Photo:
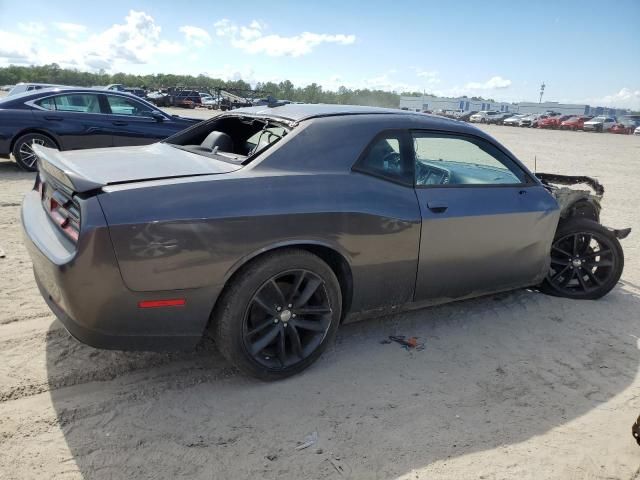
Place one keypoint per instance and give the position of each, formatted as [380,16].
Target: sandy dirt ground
[517,385]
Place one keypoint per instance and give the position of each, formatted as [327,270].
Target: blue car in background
[78,118]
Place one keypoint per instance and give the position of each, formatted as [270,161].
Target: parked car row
[628,124]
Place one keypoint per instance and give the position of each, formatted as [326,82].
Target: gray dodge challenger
[267,227]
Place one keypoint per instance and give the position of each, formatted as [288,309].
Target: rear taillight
[62,208]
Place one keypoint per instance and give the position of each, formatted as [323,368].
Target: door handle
[120,123]
[437,207]
[52,117]
[522,192]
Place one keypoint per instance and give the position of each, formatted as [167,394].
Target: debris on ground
[2,254]
[410,343]
[309,441]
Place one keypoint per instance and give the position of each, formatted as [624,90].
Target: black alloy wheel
[586,261]
[287,319]
[278,314]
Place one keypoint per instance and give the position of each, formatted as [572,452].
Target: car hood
[84,170]
[593,122]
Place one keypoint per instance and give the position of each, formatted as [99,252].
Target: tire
[252,295]
[576,244]
[22,153]
[482,120]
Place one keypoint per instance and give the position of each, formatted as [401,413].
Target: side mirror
[159,117]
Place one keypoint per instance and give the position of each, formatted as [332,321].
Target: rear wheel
[586,261]
[278,315]
[23,150]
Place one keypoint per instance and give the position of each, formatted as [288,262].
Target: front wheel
[278,315]
[586,261]
[23,150]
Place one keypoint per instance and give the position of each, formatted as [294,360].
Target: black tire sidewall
[29,137]
[576,225]
[229,314]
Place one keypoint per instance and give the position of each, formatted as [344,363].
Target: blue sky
[585,51]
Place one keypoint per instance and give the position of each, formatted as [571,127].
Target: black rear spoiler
[52,162]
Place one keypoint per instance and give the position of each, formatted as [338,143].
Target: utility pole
[541,92]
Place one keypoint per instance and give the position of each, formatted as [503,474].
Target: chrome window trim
[32,104]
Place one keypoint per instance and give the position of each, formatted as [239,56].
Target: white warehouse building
[434,104]
[563,108]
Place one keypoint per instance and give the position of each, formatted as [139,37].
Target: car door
[133,123]
[76,119]
[486,224]
[386,248]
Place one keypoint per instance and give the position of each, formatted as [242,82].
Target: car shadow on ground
[494,371]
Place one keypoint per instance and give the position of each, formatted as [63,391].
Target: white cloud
[496,82]
[430,76]
[252,39]
[625,98]
[136,41]
[32,28]
[384,81]
[16,48]
[71,30]
[196,36]
[234,73]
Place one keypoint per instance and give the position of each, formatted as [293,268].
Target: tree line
[284,90]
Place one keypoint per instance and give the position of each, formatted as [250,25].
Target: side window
[83,103]
[384,157]
[125,106]
[47,103]
[451,160]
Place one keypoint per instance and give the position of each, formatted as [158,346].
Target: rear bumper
[97,339]
[83,287]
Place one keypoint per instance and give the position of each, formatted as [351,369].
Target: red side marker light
[172,302]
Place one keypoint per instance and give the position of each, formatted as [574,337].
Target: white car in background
[209,101]
[28,87]
[499,118]
[483,116]
[636,131]
[599,124]
[531,120]
[514,121]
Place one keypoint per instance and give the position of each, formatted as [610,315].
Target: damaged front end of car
[576,202]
